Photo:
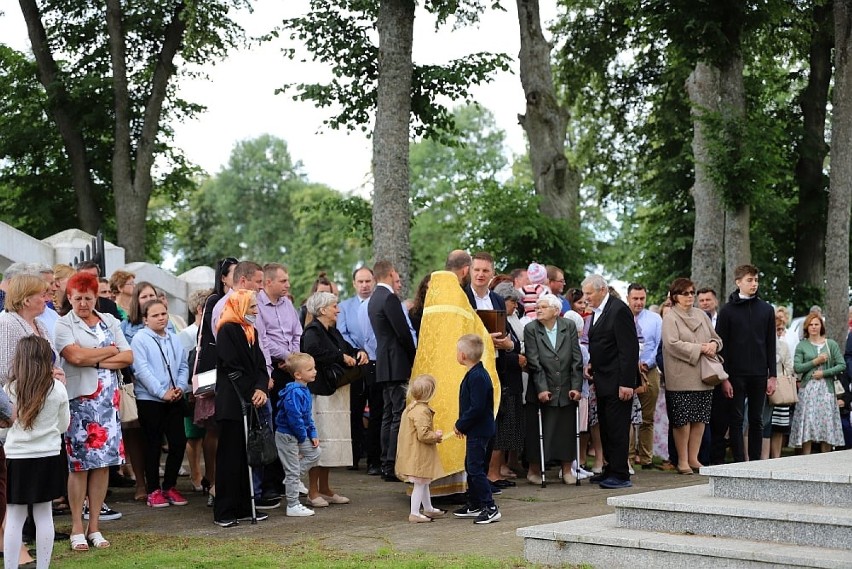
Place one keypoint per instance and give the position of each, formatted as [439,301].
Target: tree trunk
[737,216]
[810,177]
[840,180]
[132,183]
[703,89]
[65,116]
[557,183]
[391,184]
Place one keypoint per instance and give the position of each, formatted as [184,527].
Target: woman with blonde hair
[61,274]
[123,283]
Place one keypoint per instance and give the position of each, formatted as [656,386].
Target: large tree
[129,51]
[557,182]
[381,85]
[840,195]
[812,148]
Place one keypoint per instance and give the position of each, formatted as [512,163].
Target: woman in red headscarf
[241,369]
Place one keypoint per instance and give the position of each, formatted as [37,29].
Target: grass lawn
[146,550]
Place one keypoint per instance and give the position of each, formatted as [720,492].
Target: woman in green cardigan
[819,361]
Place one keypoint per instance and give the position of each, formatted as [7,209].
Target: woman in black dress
[240,376]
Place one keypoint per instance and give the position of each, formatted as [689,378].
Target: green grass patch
[141,550]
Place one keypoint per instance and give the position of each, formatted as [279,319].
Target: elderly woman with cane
[240,374]
[555,367]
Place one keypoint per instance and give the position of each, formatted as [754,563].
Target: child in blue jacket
[296,433]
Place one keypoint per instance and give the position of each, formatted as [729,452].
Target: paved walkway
[377,516]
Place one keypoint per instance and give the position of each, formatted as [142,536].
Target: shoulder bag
[785,392]
[127,409]
[712,371]
[204,383]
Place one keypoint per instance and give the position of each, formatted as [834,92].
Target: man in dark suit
[613,357]
[482,298]
[394,358]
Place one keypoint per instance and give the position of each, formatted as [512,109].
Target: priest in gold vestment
[448,316]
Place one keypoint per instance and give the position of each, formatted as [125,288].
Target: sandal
[98,541]
[60,506]
[79,543]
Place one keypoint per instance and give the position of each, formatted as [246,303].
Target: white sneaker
[630,469]
[299,511]
[582,473]
[303,490]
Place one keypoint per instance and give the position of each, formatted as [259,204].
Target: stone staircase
[787,512]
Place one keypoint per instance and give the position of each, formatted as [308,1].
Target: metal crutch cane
[577,442]
[541,448]
[246,408]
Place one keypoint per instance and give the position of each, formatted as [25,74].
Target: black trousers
[614,421]
[158,419]
[727,415]
[394,404]
[233,499]
[366,439]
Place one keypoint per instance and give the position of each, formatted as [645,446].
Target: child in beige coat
[417,458]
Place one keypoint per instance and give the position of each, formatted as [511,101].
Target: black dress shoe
[119,481]
[353,467]
[374,470]
[598,477]
[390,478]
[503,484]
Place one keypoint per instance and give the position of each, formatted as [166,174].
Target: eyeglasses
[688,293]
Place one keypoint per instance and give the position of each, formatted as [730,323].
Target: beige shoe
[569,478]
[418,518]
[534,479]
[336,499]
[318,502]
[434,514]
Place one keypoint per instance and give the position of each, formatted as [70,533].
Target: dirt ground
[377,517]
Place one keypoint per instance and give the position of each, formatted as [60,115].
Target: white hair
[319,300]
[596,281]
[551,300]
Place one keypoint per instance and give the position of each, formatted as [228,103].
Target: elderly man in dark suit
[613,365]
[394,357]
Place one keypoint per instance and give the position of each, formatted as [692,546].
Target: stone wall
[16,246]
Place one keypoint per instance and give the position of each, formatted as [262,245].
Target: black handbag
[260,446]
[327,380]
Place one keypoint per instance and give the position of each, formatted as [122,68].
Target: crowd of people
[97,373]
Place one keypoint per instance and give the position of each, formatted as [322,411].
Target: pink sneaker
[157,499]
[175,498]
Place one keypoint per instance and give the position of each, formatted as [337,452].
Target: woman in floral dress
[94,349]
[819,361]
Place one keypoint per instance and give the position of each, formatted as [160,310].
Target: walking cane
[233,376]
[541,448]
[577,442]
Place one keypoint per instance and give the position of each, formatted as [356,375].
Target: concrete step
[600,543]
[822,479]
[694,510]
